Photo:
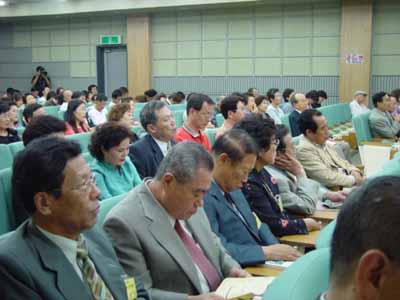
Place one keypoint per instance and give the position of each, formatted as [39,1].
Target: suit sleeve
[244,254]
[280,223]
[382,129]
[137,161]
[130,255]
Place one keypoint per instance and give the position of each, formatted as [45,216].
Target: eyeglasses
[87,185]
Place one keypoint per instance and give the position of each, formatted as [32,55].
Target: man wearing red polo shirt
[199,112]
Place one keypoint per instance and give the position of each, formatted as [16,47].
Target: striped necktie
[96,284]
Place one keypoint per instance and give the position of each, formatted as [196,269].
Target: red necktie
[199,258]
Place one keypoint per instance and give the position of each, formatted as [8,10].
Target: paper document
[278,264]
[243,288]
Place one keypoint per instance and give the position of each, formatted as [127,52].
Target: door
[112,68]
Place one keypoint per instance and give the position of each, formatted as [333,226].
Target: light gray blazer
[149,248]
[381,126]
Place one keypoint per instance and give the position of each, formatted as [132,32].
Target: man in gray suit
[381,123]
[55,254]
[161,233]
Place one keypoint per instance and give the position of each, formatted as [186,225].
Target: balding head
[299,102]
[67,94]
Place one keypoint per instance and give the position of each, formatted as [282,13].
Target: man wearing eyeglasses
[56,254]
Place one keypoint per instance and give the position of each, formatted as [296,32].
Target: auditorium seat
[175,107]
[178,115]
[6,159]
[325,237]
[285,121]
[219,119]
[52,110]
[106,205]
[82,138]
[7,222]
[211,134]
[305,279]
[361,128]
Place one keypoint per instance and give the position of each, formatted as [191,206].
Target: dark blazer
[294,123]
[146,156]
[243,240]
[32,267]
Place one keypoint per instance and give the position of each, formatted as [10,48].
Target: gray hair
[148,114]
[184,160]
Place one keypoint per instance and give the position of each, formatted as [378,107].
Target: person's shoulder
[140,143]
[14,245]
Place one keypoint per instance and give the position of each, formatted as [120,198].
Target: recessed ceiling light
[2,3]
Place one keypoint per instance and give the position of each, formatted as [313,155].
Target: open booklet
[278,264]
[243,288]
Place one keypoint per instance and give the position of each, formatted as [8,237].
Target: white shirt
[203,281]
[162,145]
[68,247]
[275,113]
[357,109]
[64,106]
[97,117]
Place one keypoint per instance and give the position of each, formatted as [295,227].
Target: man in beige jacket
[320,161]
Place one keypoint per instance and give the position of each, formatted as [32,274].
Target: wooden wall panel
[138,45]
[356,38]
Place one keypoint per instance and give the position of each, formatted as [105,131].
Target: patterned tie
[93,279]
[205,266]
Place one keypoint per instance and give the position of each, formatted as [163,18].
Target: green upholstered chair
[325,237]
[305,279]
[296,140]
[211,134]
[20,131]
[178,114]
[6,157]
[88,157]
[361,127]
[106,205]
[82,138]
[285,121]
[220,119]
[7,222]
[52,110]
[61,115]
[16,147]
[346,112]
[390,168]
[175,107]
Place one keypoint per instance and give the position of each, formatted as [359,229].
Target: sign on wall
[110,39]
[354,59]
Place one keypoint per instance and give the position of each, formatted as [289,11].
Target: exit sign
[110,39]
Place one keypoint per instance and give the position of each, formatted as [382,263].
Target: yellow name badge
[130,288]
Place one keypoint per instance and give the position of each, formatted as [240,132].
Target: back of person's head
[313,95]
[4,107]
[42,126]
[29,110]
[262,130]
[195,101]
[40,168]
[59,90]
[17,96]
[286,94]
[281,132]
[366,236]
[306,120]
[116,94]
[259,99]
[10,91]
[117,112]
[228,104]
[90,87]
[140,98]
[51,95]
[107,136]
[148,114]
[396,93]
[150,93]
[160,96]
[378,97]
[76,94]
[271,93]
[183,161]
[175,98]
[100,98]
[70,114]
[181,95]
[322,94]
[251,91]
[124,90]
[243,97]
[236,144]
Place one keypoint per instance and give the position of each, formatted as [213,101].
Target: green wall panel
[268,67]
[214,49]
[214,67]
[240,67]
[189,67]
[268,47]
[189,49]
[240,48]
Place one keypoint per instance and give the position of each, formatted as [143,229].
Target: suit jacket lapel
[158,156]
[162,230]
[68,282]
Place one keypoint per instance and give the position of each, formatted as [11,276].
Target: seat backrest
[106,205]
[82,138]
[174,107]
[16,147]
[52,110]
[178,115]
[61,115]
[219,119]
[305,279]
[285,121]
[361,127]
[211,134]
[7,222]
[325,236]
[6,158]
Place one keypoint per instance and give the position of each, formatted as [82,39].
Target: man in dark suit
[228,211]
[56,254]
[147,153]
[300,104]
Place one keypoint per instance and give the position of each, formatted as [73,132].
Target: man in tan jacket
[320,161]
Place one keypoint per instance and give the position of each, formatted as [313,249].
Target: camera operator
[40,80]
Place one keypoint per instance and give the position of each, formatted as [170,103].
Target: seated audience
[58,253]
[299,103]
[232,109]
[150,94]
[28,99]
[313,99]
[253,91]
[274,111]
[395,94]
[199,109]
[121,113]
[147,153]
[287,106]
[51,99]
[42,100]
[75,118]
[115,173]
[359,106]
[392,109]
[161,234]
[299,194]
[227,209]
[322,96]
[31,111]
[115,98]
[97,114]
[7,134]
[66,97]
[161,97]
[42,126]
[14,115]
[18,99]
[381,124]
[262,105]
[319,159]
[125,92]
[92,91]
[174,98]
[250,103]
[365,255]
[261,190]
